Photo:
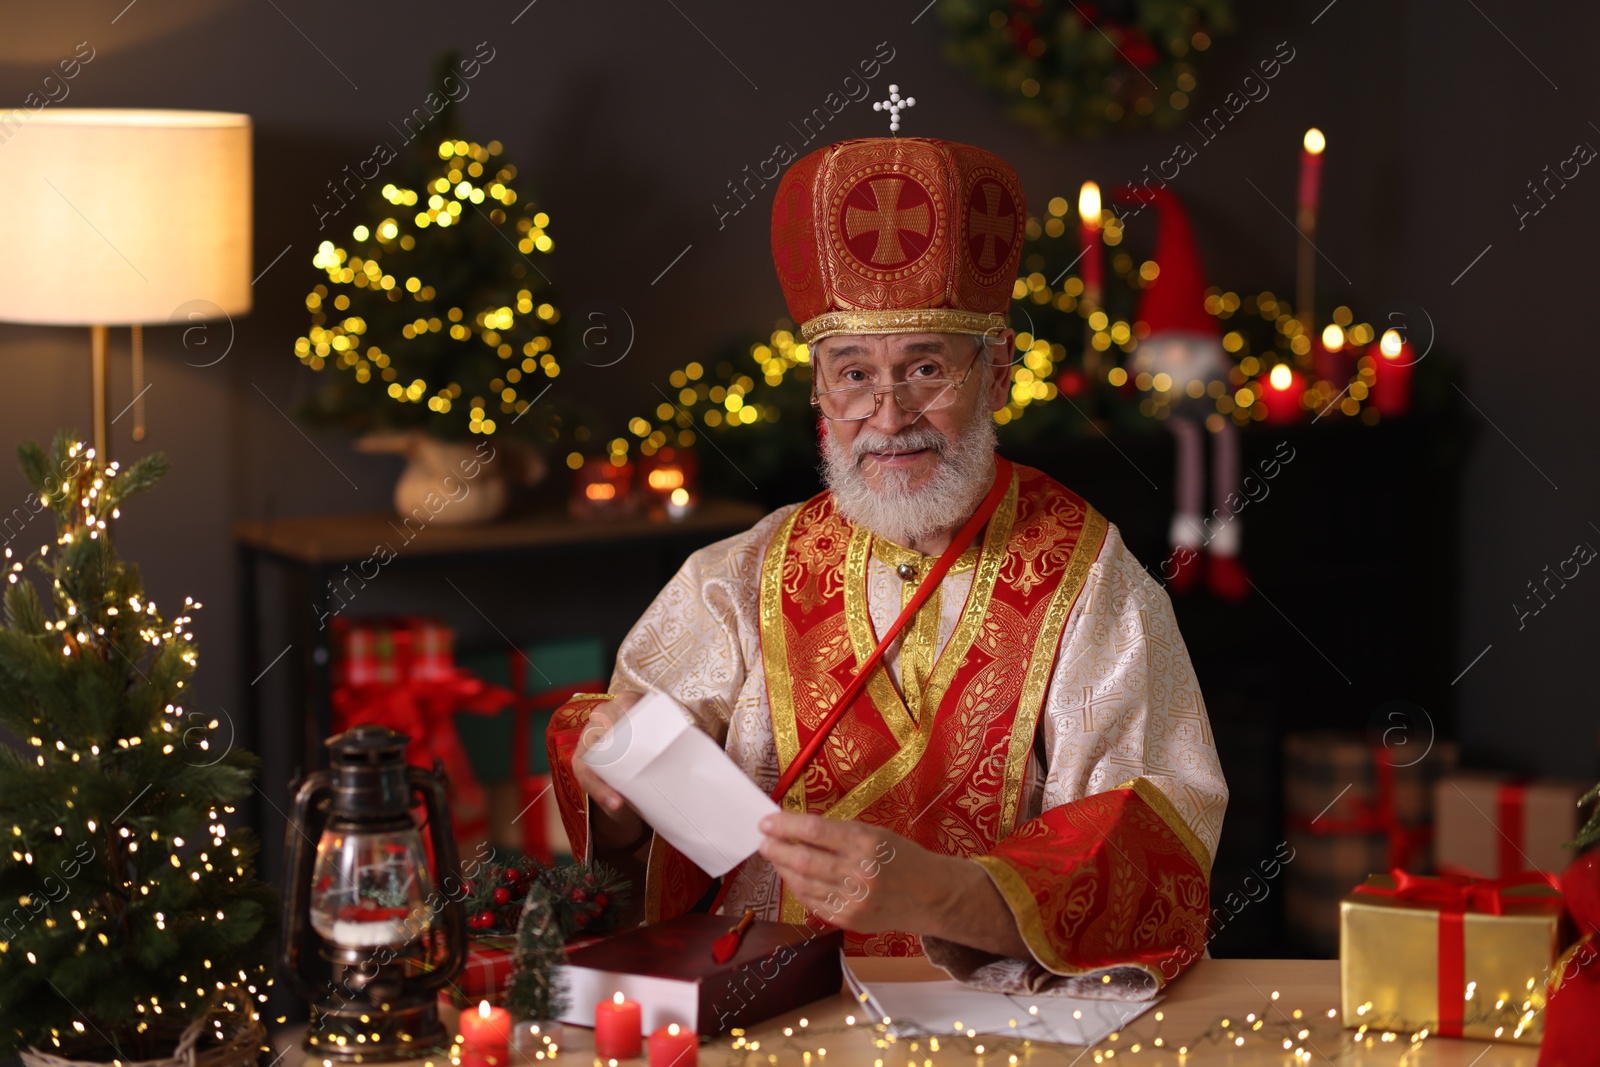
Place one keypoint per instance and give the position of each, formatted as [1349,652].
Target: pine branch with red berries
[585,898]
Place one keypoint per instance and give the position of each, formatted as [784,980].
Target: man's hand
[866,879]
[858,876]
[615,822]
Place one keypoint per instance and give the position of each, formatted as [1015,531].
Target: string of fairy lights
[1306,1036]
[422,352]
[1266,342]
[727,396]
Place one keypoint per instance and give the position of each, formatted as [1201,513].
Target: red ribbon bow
[1454,896]
[422,704]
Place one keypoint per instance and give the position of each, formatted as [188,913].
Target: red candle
[1328,359]
[1311,173]
[1282,395]
[618,1030]
[673,1046]
[1093,269]
[1391,374]
[485,1035]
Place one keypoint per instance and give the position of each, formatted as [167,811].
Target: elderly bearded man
[1026,785]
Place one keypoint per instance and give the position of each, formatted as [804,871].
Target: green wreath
[1076,69]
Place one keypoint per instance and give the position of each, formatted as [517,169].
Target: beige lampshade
[115,216]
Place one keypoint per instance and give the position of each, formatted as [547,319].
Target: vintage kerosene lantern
[364,901]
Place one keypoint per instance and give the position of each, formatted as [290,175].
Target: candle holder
[602,488]
[363,901]
[671,482]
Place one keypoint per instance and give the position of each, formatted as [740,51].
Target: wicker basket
[241,1042]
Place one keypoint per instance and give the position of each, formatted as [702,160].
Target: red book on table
[668,968]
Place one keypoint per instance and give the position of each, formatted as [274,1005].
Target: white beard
[896,511]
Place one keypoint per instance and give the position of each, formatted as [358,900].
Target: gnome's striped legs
[1187,534]
[1218,533]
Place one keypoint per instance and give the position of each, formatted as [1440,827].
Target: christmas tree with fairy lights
[435,312]
[130,908]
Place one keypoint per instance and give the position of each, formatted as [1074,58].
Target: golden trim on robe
[1042,663]
[1164,807]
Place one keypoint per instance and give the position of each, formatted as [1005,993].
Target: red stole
[976,710]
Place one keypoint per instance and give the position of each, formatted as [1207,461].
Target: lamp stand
[102,429]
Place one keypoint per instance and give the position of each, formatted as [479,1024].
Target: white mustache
[912,440]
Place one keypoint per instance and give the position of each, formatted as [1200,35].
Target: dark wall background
[628,118]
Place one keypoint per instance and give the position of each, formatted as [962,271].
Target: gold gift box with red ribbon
[1459,957]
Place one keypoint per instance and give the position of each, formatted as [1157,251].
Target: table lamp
[114,216]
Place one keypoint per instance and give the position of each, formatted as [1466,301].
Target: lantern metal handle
[311,789]
[447,877]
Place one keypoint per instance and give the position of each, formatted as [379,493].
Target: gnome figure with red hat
[1185,343]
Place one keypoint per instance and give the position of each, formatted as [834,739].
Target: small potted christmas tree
[135,928]
[433,320]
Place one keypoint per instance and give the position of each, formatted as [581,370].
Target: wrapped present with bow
[1491,825]
[1352,807]
[1459,957]
[401,673]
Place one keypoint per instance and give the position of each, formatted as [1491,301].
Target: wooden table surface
[1197,1003]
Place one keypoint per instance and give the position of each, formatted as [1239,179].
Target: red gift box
[401,673]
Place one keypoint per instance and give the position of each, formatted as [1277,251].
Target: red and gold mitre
[898,235]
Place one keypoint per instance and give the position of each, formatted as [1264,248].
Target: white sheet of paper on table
[682,783]
[918,1009]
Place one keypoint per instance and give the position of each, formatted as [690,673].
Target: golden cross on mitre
[894,105]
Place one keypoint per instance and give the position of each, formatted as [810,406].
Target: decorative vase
[455,483]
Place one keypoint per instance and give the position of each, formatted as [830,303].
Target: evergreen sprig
[537,991]
[127,899]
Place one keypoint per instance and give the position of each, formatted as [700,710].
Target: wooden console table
[316,552]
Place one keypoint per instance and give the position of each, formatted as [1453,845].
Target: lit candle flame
[1332,337]
[1089,204]
[1390,344]
[483,1009]
[616,998]
[1315,142]
[1281,377]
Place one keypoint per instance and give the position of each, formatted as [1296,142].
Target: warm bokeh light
[1315,142]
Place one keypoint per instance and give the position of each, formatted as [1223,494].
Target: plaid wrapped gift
[389,651]
[1351,808]
[487,974]
[432,651]
[365,653]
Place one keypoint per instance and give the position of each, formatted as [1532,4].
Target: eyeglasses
[853,403]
